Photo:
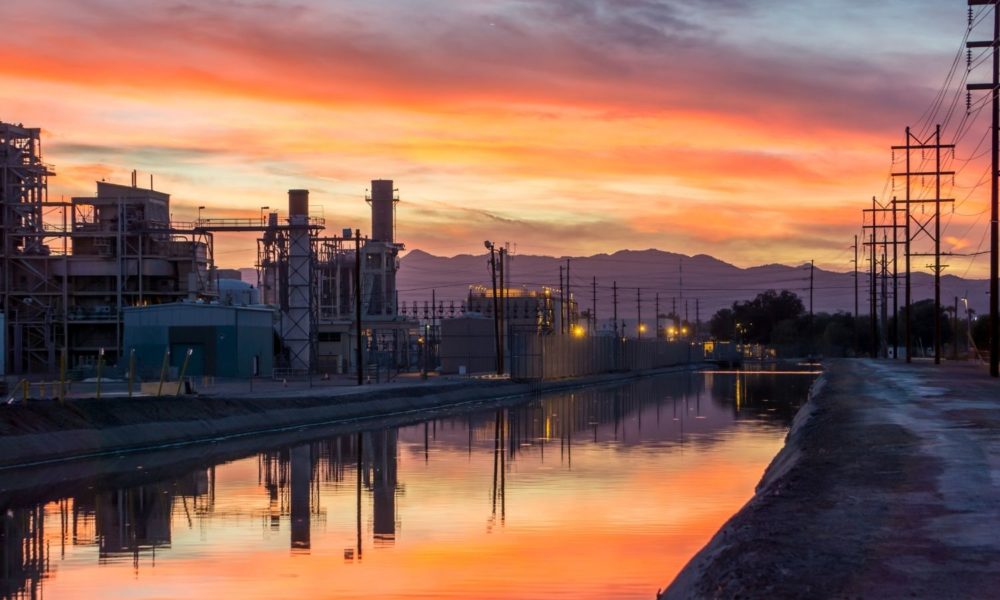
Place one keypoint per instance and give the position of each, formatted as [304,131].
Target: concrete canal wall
[46,431]
[888,487]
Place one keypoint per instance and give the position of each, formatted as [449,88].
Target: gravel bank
[888,487]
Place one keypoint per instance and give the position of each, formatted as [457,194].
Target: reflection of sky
[616,517]
[509,119]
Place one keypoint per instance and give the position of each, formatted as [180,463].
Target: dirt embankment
[888,487]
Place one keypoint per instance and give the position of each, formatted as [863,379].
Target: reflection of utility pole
[360,469]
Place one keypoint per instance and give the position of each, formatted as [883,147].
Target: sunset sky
[752,131]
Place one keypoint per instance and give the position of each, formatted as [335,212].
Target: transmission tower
[928,227]
[881,226]
[994,89]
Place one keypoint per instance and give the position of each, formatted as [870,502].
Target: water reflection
[347,495]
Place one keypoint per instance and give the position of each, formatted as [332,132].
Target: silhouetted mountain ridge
[699,283]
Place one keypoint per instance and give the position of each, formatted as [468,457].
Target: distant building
[234,292]
[542,311]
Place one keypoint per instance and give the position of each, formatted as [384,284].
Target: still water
[597,493]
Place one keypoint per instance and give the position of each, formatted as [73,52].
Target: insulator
[968,102]
[968,60]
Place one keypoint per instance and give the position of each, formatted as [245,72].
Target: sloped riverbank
[888,486]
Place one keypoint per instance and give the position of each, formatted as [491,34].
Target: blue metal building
[226,341]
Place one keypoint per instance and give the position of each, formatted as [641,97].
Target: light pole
[496,306]
[262,209]
[200,208]
[357,305]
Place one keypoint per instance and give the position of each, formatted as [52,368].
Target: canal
[598,493]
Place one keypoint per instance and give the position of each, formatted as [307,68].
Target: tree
[722,325]
[760,316]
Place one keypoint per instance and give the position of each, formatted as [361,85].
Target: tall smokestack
[383,211]
[296,323]
[298,203]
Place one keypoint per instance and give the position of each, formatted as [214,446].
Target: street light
[496,306]
[262,209]
[200,208]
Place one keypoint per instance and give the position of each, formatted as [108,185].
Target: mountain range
[694,286]
[700,283]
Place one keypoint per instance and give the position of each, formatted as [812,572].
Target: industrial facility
[72,270]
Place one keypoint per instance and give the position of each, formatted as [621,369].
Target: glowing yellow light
[578,331]
[642,328]
[684,330]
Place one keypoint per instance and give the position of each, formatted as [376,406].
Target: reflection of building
[23,553]
[133,520]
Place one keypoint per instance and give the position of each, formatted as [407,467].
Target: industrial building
[70,270]
[225,341]
[541,311]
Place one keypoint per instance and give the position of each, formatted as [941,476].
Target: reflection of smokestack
[383,211]
[301,468]
[384,485]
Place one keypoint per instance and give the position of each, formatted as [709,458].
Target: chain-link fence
[540,357]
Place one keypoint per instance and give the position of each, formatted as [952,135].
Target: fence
[535,357]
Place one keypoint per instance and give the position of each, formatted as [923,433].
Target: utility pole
[855,246]
[638,305]
[812,269]
[569,314]
[614,301]
[432,335]
[506,293]
[871,284]
[360,357]
[994,88]
[954,333]
[895,280]
[884,329]
[697,318]
[562,302]
[924,227]
[593,306]
[657,332]
[502,316]
[496,308]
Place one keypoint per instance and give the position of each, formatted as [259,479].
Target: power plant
[70,269]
